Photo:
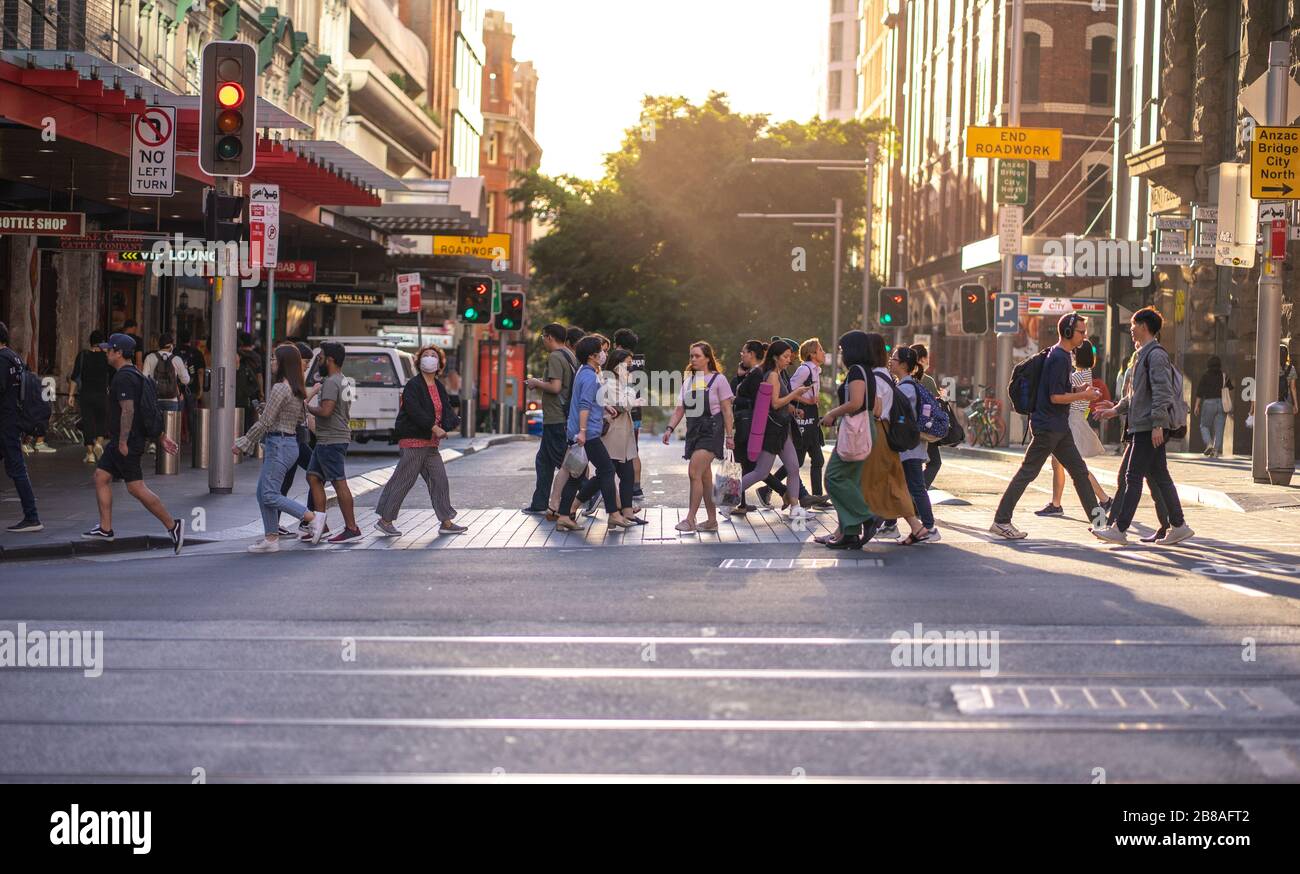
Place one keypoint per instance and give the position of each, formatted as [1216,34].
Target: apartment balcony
[386,124]
[377,34]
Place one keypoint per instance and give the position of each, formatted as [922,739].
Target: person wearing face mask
[425,418]
[276,429]
[620,436]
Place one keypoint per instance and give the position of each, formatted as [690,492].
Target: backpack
[931,418]
[566,398]
[956,435]
[147,412]
[1178,411]
[33,410]
[1023,387]
[164,377]
[901,431]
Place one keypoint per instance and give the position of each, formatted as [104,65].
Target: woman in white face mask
[425,418]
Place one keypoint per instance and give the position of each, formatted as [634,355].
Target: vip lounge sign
[153,152]
[264,224]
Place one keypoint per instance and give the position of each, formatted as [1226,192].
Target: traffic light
[893,307]
[228,109]
[474,299]
[223,217]
[974,310]
[511,317]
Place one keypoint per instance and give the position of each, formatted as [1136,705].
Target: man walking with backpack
[556,387]
[1041,387]
[134,418]
[1156,412]
[12,372]
[169,375]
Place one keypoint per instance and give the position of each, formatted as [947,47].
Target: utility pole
[225,312]
[1268,323]
[832,348]
[866,240]
[1003,341]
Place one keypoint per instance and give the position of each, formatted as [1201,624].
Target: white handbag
[1225,395]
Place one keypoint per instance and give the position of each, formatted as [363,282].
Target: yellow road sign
[1275,163]
[1029,143]
[491,247]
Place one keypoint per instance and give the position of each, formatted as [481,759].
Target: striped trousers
[411,465]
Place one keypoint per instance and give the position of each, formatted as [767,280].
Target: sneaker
[387,529]
[265,545]
[1050,510]
[177,533]
[1209,452]
[98,533]
[28,526]
[1110,534]
[303,526]
[1175,535]
[1007,531]
[530,511]
[90,456]
[151,449]
[1155,536]
[99,451]
[45,447]
[590,508]
[27,449]
[345,535]
[889,529]
[452,528]
[317,529]
[284,532]
[765,496]
[933,536]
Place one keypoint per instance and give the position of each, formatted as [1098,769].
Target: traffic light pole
[501,382]
[1003,342]
[1268,324]
[866,241]
[221,419]
[468,383]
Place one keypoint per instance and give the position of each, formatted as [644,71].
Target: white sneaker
[1007,531]
[90,456]
[45,447]
[317,528]
[1175,535]
[265,545]
[1110,534]
[934,536]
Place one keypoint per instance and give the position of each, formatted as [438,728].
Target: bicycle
[65,423]
[984,423]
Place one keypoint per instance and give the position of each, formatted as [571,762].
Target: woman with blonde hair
[705,404]
[426,416]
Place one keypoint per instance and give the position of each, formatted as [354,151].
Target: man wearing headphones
[1049,426]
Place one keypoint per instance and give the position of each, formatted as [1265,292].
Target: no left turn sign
[153,152]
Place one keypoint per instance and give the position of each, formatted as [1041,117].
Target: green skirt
[844,485]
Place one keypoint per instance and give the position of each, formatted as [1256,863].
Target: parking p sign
[1006,313]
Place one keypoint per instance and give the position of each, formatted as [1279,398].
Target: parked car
[378,371]
[533,419]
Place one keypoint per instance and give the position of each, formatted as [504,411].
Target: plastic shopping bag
[726,482]
[575,461]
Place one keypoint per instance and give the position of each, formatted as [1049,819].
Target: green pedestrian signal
[511,316]
[893,307]
[474,299]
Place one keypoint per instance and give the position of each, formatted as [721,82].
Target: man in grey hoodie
[1149,406]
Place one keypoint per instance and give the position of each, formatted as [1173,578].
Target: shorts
[122,467]
[328,462]
[704,432]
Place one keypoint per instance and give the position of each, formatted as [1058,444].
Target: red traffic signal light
[893,308]
[474,299]
[974,309]
[227,109]
[511,317]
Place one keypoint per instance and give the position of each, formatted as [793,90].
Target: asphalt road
[1135,664]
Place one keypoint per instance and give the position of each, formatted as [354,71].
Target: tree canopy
[656,245]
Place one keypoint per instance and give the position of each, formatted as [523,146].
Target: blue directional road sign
[1006,313]
[1020,263]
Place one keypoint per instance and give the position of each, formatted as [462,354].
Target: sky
[596,59]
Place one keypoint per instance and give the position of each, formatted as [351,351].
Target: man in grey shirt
[331,404]
[555,388]
[1149,407]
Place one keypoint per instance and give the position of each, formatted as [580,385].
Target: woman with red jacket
[425,418]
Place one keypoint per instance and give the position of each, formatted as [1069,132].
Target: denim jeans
[281,453]
[915,477]
[1212,421]
[11,449]
[550,455]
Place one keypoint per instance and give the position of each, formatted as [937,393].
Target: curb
[145,542]
[1188,494]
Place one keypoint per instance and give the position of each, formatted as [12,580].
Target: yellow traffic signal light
[227,109]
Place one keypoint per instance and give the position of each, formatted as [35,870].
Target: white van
[379,371]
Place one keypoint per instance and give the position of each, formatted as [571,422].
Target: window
[1097,202]
[835,93]
[1029,69]
[494,86]
[1101,85]
[494,147]
[837,41]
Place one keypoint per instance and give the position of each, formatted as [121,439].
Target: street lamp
[848,165]
[835,220]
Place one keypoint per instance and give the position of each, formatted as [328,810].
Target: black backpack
[1023,387]
[901,431]
[147,412]
[955,436]
[33,410]
[566,398]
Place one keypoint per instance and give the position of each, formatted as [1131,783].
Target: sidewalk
[66,500]
[1222,483]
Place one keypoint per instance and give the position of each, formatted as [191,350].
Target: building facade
[839,86]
